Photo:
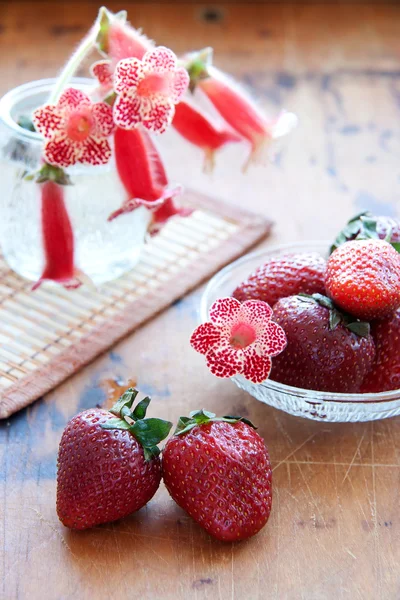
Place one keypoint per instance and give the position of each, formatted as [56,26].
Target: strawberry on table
[363,278]
[326,350]
[283,276]
[108,463]
[218,470]
[385,372]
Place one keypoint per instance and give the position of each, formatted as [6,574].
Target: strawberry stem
[336,316]
[148,432]
[200,417]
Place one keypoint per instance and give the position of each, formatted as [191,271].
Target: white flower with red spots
[239,339]
[148,90]
[76,130]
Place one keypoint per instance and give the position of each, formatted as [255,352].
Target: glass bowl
[319,406]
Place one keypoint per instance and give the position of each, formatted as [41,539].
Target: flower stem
[74,61]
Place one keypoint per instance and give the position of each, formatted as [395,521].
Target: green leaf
[141,409]
[51,173]
[361,328]
[126,401]
[247,421]
[335,318]
[201,415]
[323,301]
[188,427]
[116,424]
[306,298]
[353,230]
[396,246]
[150,453]
[150,432]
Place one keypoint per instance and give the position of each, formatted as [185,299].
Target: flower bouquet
[84,181]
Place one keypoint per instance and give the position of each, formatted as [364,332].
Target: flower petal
[48,120]
[256,367]
[225,311]
[180,84]
[71,98]
[128,74]
[273,340]
[205,337]
[103,119]
[61,152]
[127,111]
[157,113]
[160,60]
[101,70]
[96,151]
[257,311]
[226,362]
[284,124]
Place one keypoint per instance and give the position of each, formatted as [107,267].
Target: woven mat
[47,335]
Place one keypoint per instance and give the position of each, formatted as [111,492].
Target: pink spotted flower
[148,89]
[239,339]
[75,130]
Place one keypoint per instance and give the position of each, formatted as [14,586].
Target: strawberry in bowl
[338,307]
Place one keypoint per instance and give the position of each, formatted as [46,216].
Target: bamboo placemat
[48,334]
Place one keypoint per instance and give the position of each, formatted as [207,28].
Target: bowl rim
[309,396]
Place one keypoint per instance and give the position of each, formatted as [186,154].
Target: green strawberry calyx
[338,317]
[363,226]
[148,432]
[201,417]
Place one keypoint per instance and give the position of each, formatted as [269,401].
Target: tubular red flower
[242,114]
[239,339]
[58,238]
[166,211]
[198,129]
[75,129]
[141,171]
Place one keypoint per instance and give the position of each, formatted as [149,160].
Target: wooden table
[334,530]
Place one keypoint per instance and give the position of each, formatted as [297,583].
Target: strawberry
[366,226]
[218,471]
[385,372]
[363,278]
[108,464]
[283,276]
[326,350]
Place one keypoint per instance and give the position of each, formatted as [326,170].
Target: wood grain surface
[334,531]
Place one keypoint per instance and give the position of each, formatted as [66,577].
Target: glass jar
[104,250]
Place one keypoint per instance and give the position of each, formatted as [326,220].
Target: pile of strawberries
[216,468]
[341,317]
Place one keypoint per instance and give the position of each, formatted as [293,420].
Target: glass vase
[104,249]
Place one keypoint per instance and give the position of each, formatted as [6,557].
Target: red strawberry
[385,372]
[283,276]
[218,471]
[363,278]
[325,350]
[365,226]
[108,467]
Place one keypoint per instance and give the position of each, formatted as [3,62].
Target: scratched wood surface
[334,531]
